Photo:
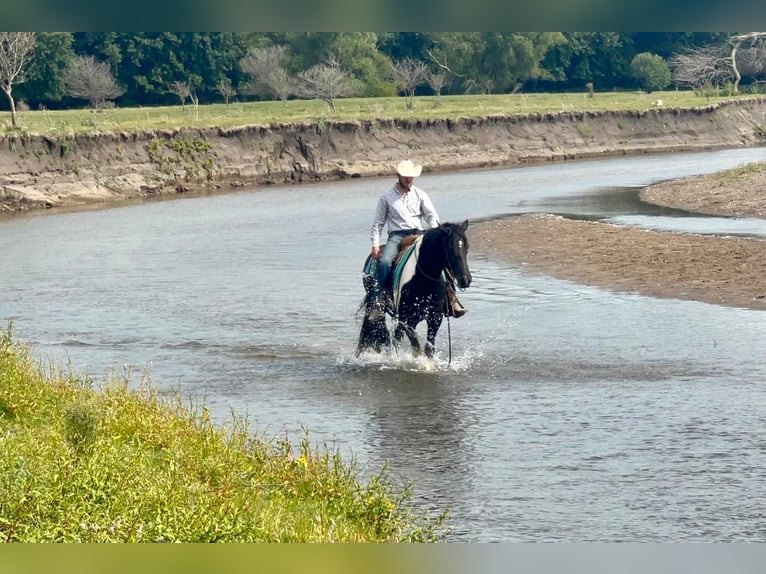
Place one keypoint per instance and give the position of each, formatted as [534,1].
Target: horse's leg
[408,328]
[434,322]
[373,334]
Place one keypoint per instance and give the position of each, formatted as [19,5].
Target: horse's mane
[452,227]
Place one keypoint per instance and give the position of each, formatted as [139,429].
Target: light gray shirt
[403,211]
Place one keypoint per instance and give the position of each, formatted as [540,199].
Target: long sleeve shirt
[403,211]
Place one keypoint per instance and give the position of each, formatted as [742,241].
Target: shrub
[650,71]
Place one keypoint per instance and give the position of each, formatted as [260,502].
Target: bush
[650,71]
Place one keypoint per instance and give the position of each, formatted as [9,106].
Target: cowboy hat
[408,169]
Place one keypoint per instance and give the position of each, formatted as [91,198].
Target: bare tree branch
[88,79]
[715,66]
[436,82]
[755,38]
[442,65]
[410,73]
[695,67]
[268,74]
[325,82]
[16,51]
[182,90]
[226,90]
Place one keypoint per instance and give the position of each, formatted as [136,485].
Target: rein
[448,267]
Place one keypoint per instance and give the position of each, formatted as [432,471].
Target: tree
[601,58]
[146,63]
[88,79]
[651,71]
[512,57]
[226,90]
[43,81]
[267,72]
[325,82]
[16,51]
[410,73]
[359,54]
[753,57]
[436,82]
[182,90]
[715,65]
[700,66]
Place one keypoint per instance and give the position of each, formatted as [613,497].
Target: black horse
[420,289]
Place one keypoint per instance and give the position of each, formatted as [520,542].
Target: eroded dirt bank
[40,171]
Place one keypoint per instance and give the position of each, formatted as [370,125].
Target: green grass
[752,168]
[111,464]
[70,122]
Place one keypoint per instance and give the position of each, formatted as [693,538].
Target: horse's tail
[374,335]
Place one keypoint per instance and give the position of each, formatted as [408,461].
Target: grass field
[69,122]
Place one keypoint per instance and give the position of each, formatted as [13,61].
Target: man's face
[406,182]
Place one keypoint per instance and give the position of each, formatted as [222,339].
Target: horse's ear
[464,225]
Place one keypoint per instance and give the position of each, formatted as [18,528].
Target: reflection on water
[739,226]
[563,413]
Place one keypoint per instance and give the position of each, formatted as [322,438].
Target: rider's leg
[387,256]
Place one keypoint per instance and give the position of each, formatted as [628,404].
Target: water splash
[404,360]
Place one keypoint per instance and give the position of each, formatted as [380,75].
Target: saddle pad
[405,269]
[370,266]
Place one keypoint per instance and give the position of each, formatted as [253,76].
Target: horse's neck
[431,258]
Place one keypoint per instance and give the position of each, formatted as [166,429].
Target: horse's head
[456,249]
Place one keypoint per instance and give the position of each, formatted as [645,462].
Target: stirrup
[457,311]
[454,307]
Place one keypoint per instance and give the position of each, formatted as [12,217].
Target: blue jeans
[387,256]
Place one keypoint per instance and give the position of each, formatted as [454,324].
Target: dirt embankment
[40,171]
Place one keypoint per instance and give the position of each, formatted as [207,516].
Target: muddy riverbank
[720,270]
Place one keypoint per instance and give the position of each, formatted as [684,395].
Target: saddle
[404,246]
[371,265]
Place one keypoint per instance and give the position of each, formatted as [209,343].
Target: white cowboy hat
[408,169]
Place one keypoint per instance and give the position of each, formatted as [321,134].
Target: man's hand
[375,253]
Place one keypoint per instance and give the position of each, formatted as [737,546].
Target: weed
[81,463]
[585,131]
[81,422]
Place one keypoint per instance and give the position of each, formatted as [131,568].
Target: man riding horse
[404,208]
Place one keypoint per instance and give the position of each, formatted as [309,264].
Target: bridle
[447,267]
[451,273]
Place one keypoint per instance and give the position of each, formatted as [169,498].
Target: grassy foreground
[63,123]
[79,464]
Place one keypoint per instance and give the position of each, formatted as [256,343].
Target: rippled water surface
[562,413]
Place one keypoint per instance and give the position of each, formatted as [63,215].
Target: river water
[566,413]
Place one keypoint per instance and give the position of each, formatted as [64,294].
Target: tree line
[64,69]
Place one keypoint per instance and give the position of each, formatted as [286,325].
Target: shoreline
[39,172]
